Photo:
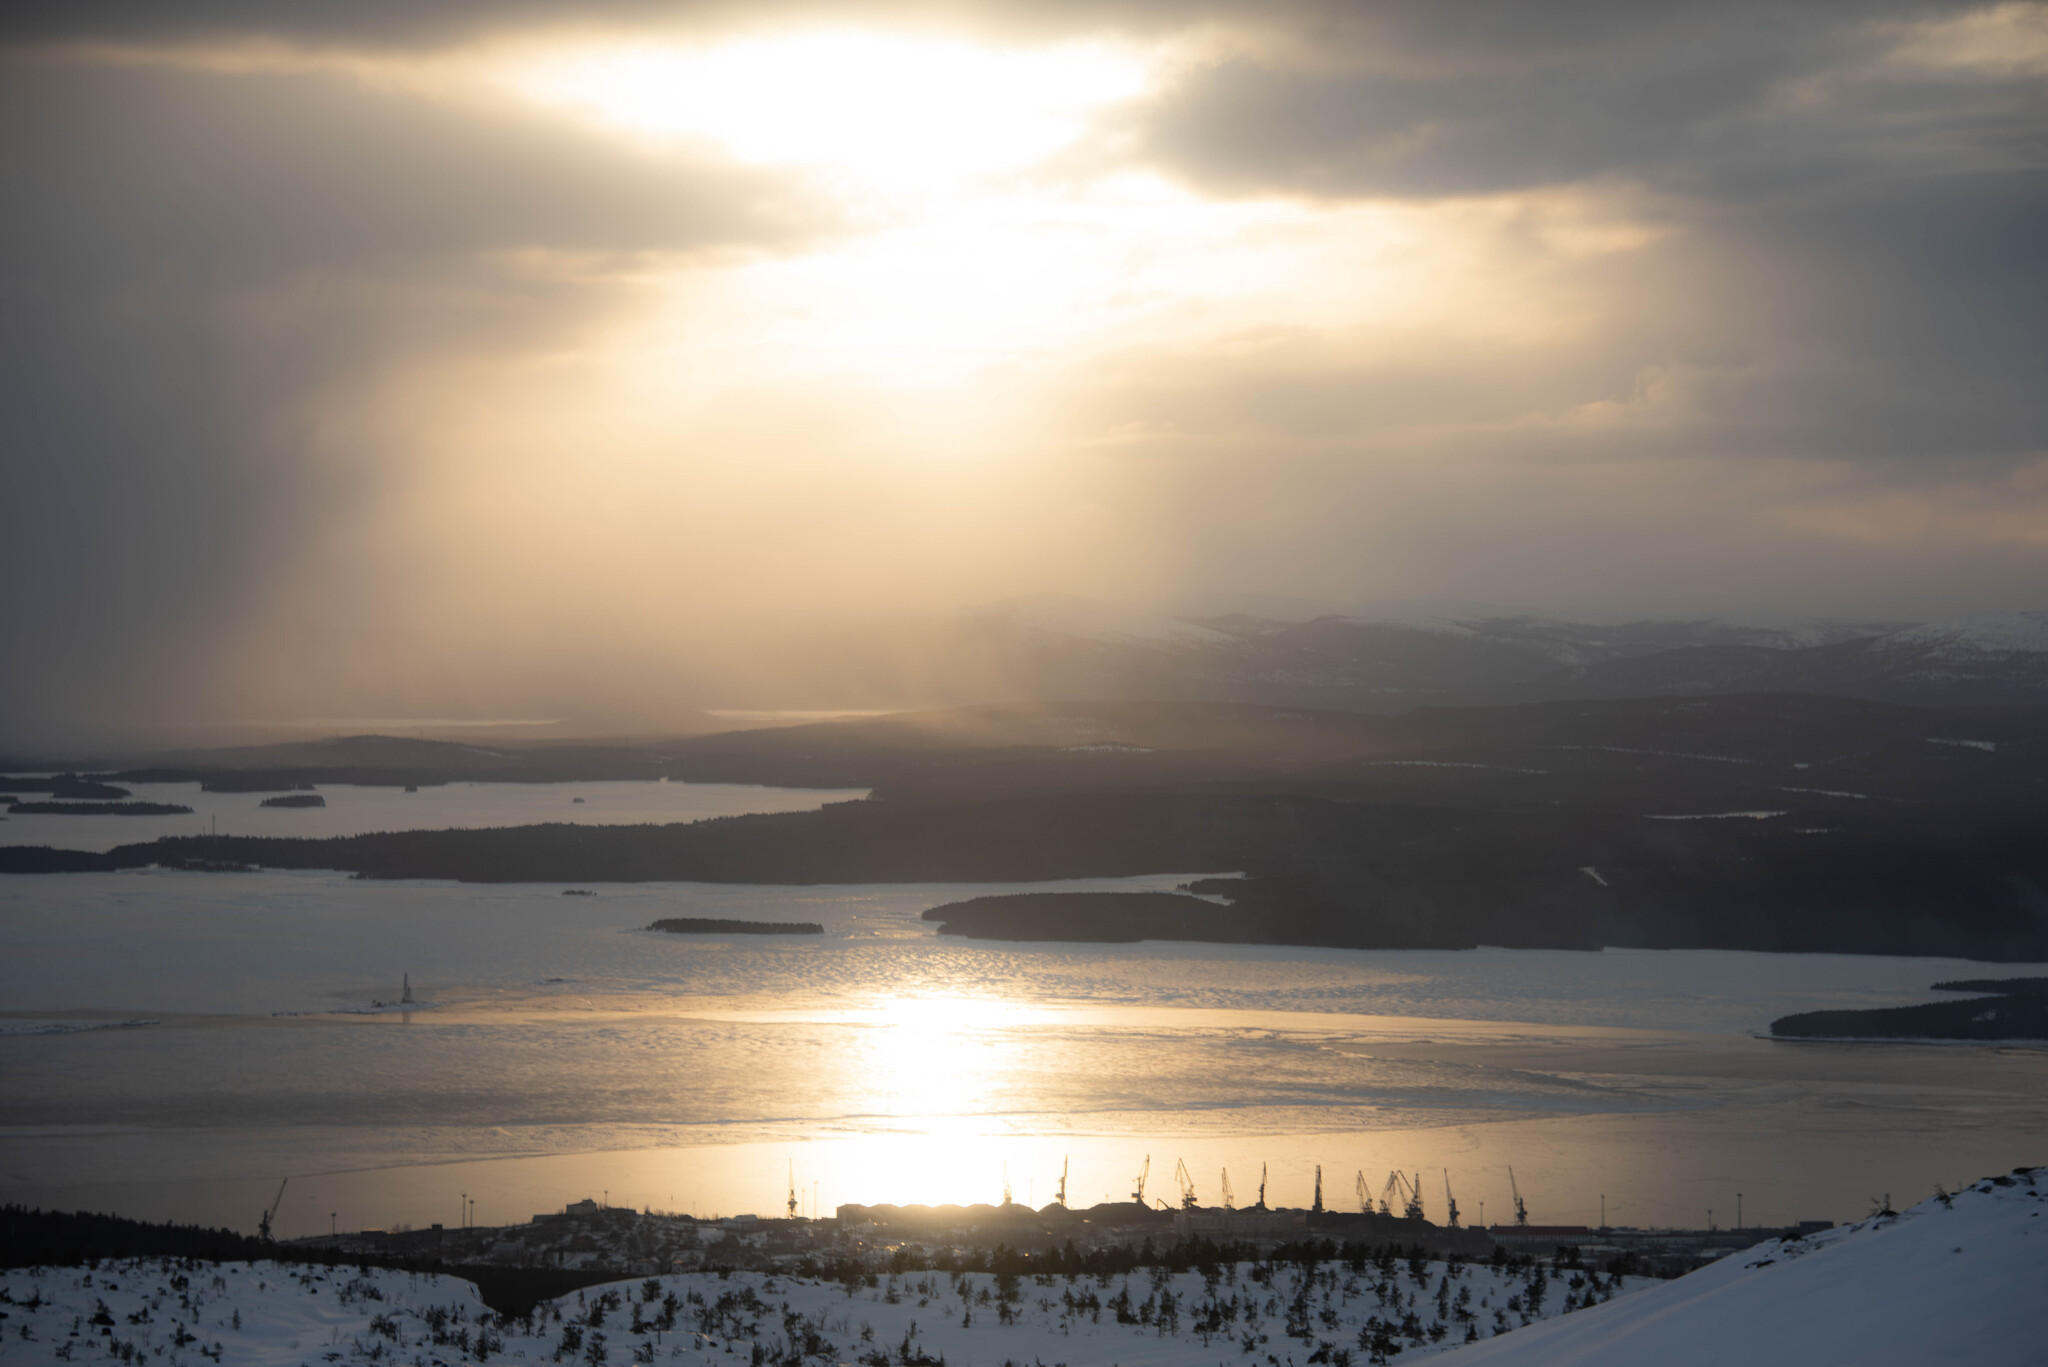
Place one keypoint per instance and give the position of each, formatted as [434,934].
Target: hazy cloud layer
[335,375]
[201,263]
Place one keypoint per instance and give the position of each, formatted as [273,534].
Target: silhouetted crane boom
[263,1225]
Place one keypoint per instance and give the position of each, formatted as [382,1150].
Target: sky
[468,360]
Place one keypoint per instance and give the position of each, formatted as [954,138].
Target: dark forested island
[1788,823]
[693,925]
[102,809]
[2017,1011]
[1321,871]
[2004,987]
[1095,917]
[64,786]
[1127,917]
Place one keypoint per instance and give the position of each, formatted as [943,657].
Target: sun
[886,109]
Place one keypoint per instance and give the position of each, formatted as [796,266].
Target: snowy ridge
[1953,1280]
[1982,633]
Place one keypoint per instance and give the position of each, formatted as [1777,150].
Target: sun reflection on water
[938,1059]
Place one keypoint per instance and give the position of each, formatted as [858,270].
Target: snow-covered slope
[177,1313]
[1958,1282]
[166,1314]
[1947,1282]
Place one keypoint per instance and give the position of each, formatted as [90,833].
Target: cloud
[202,273]
[119,169]
[331,369]
[1722,101]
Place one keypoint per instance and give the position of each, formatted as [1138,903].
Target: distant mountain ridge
[1388,658]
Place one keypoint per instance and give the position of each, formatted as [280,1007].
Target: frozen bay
[173,1043]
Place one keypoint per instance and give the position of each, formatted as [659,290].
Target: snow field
[1956,1279]
[184,1313]
[164,1313]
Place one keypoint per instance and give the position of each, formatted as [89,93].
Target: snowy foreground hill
[1958,1281]
[277,1315]
[1954,1281]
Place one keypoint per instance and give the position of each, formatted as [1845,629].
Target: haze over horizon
[473,363]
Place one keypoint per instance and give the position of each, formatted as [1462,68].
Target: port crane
[1185,1180]
[1521,1210]
[1061,1198]
[1262,1187]
[1409,1192]
[1138,1190]
[1229,1196]
[263,1225]
[1450,1201]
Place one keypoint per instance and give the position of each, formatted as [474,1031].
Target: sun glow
[938,1061]
[884,109]
[958,1013]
